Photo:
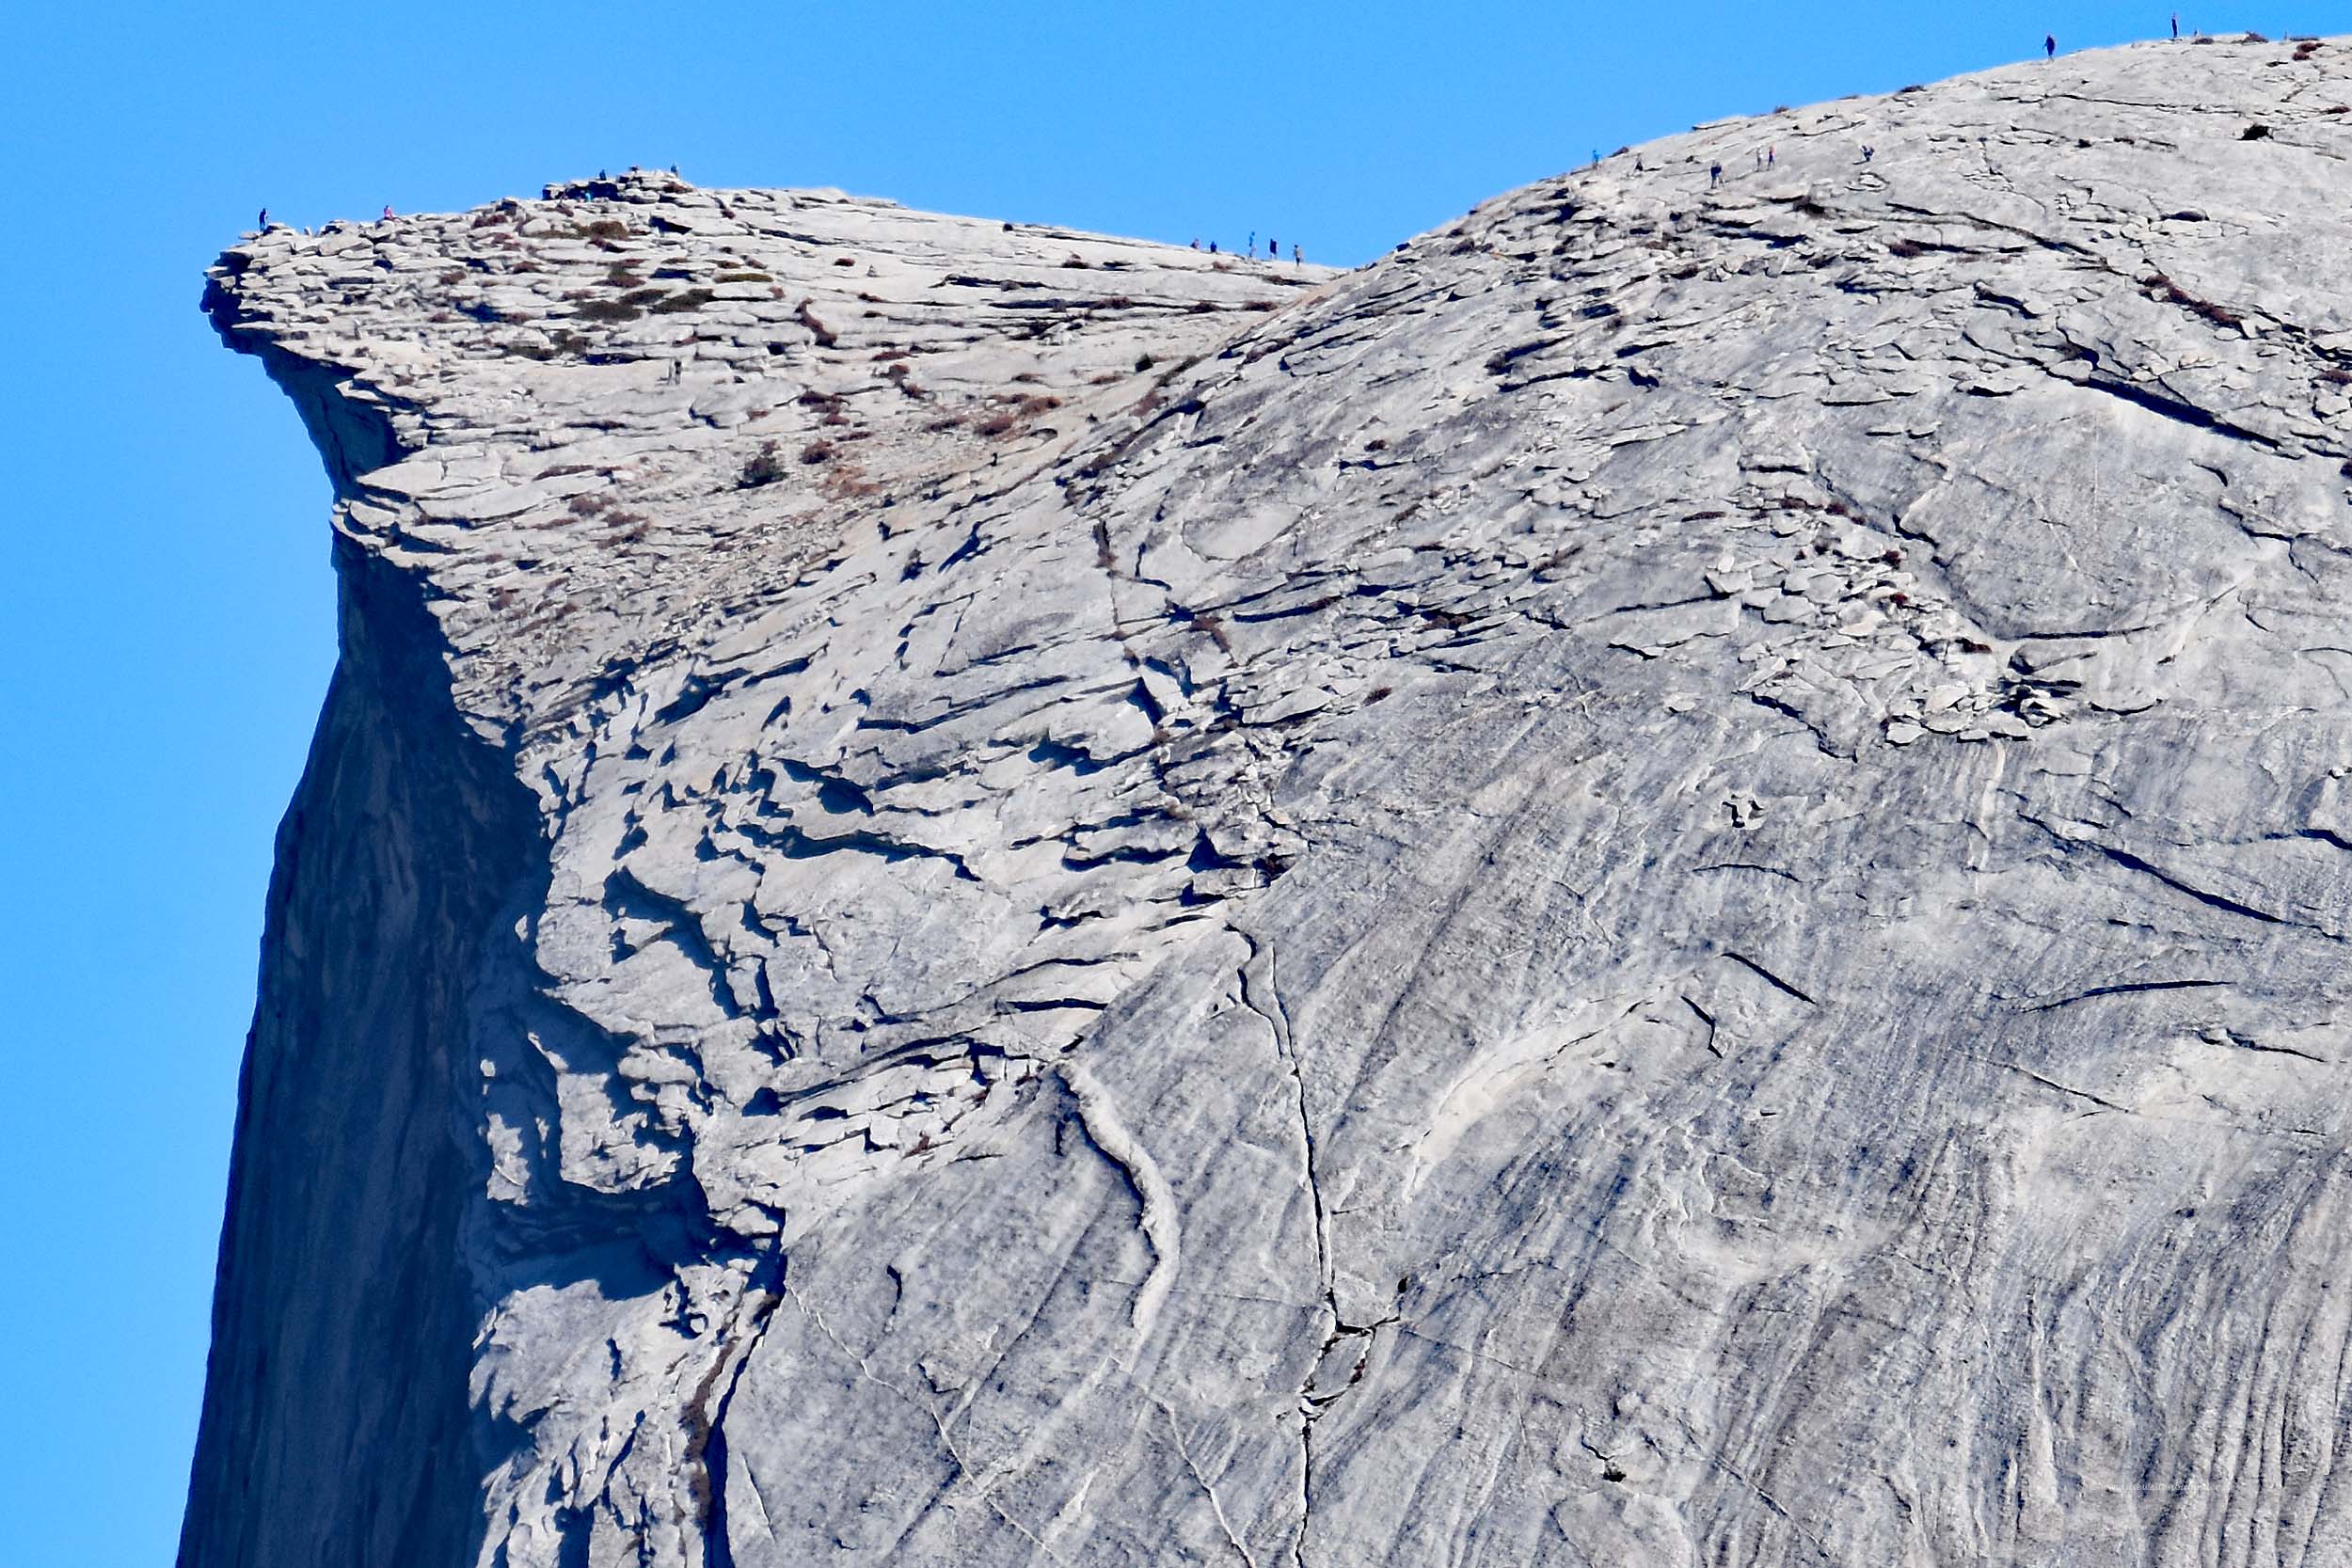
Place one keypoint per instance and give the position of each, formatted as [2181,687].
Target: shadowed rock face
[1663,884]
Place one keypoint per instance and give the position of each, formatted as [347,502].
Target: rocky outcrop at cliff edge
[1663,884]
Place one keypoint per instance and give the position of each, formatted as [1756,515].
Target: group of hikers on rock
[262,223]
[1273,248]
[1769,157]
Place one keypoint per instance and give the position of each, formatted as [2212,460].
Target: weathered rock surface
[1663,884]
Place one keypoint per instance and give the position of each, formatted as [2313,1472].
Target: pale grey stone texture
[1662,883]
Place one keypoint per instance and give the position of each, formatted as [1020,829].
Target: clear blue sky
[167,629]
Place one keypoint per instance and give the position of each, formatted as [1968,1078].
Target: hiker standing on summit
[2049,45]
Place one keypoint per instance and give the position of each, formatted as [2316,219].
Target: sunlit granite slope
[1662,883]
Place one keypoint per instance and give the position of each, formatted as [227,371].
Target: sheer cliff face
[1662,883]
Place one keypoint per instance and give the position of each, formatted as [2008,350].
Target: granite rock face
[1662,883]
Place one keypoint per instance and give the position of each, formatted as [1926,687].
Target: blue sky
[168,622]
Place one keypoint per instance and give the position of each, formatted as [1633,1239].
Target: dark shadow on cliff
[358,1249]
[341,1279]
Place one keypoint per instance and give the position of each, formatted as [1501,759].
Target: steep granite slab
[1659,883]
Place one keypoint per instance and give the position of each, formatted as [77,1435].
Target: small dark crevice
[708,1433]
[834,794]
[2246,1042]
[2177,409]
[2127,989]
[1055,753]
[1769,977]
[2210,900]
[796,844]
[625,897]
[1708,1019]
[1750,865]
[691,697]
[1821,740]
[2066,1089]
